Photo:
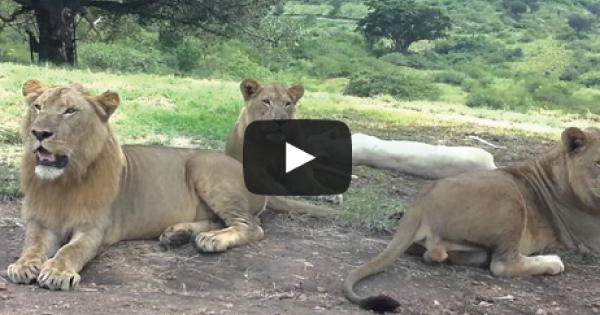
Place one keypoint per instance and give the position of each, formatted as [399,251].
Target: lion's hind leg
[182,233]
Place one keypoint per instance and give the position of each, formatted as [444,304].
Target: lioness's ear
[32,89]
[573,139]
[296,92]
[107,103]
[248,88]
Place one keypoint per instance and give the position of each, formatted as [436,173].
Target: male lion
[83,191]
[502,216]
[271,102]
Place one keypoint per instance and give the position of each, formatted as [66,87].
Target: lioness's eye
[70,111]
[288,104]
[266,102]
[37,107]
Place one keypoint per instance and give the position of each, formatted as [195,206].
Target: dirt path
[297,270]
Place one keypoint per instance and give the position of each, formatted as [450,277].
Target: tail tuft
[380,304]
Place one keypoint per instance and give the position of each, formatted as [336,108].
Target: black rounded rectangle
[273,149]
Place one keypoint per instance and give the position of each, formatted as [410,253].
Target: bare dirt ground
[298,270]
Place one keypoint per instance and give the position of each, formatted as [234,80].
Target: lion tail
[404,237]
[282,204]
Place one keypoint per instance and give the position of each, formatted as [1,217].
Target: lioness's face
[583,163]
[64,126]
[270,102]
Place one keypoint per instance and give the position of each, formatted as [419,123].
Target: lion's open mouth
[46,158]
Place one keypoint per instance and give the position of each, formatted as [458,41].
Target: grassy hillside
[527,63]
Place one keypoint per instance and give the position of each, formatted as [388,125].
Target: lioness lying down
[503,216]
[271,102]
[83,191]
[411,157]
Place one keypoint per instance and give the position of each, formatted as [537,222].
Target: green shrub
[416,60]
[450,77]
[121,58]
[395,83]
[590,79]
[485,98]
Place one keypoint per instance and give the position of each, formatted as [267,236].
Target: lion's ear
[296,92]
[249,87]
[107,103]
[574,139]
[32,89]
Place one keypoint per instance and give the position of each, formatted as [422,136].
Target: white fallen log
[411,157]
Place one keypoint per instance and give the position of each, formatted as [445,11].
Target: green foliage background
[517,55]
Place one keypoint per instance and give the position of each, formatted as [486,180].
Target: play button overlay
[299,157]
[295,157]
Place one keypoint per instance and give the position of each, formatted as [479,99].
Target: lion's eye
[70,111]
[37,107]
[267,103]
[288,104]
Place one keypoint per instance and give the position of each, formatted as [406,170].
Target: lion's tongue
[46,156]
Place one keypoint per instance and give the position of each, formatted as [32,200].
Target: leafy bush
[450,77]
[514,7]
[590,79]
[579,23]
[416,60]
[121,58]
[395,83]
[486,98]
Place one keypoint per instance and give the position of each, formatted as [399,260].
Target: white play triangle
[295,157]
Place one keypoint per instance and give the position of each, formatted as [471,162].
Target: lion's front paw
[55,276]
[26,269]
[212,242]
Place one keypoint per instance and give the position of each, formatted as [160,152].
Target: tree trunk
[56,24]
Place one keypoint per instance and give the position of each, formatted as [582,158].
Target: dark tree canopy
[56,20]
[403,22]
[579,23]
[515,7]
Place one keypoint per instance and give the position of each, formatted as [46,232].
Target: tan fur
[270,102]
[551,202]
[108,193]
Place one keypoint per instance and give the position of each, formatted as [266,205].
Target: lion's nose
[41,135]
[280,116]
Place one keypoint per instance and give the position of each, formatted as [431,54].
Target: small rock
[5,297]
[595,310]
[436,302]
[66,306]
[321,290]
[319,309]
[154,307]
[554,303]
[541,312]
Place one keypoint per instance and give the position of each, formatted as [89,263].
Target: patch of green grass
[363,200]
[9,174]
